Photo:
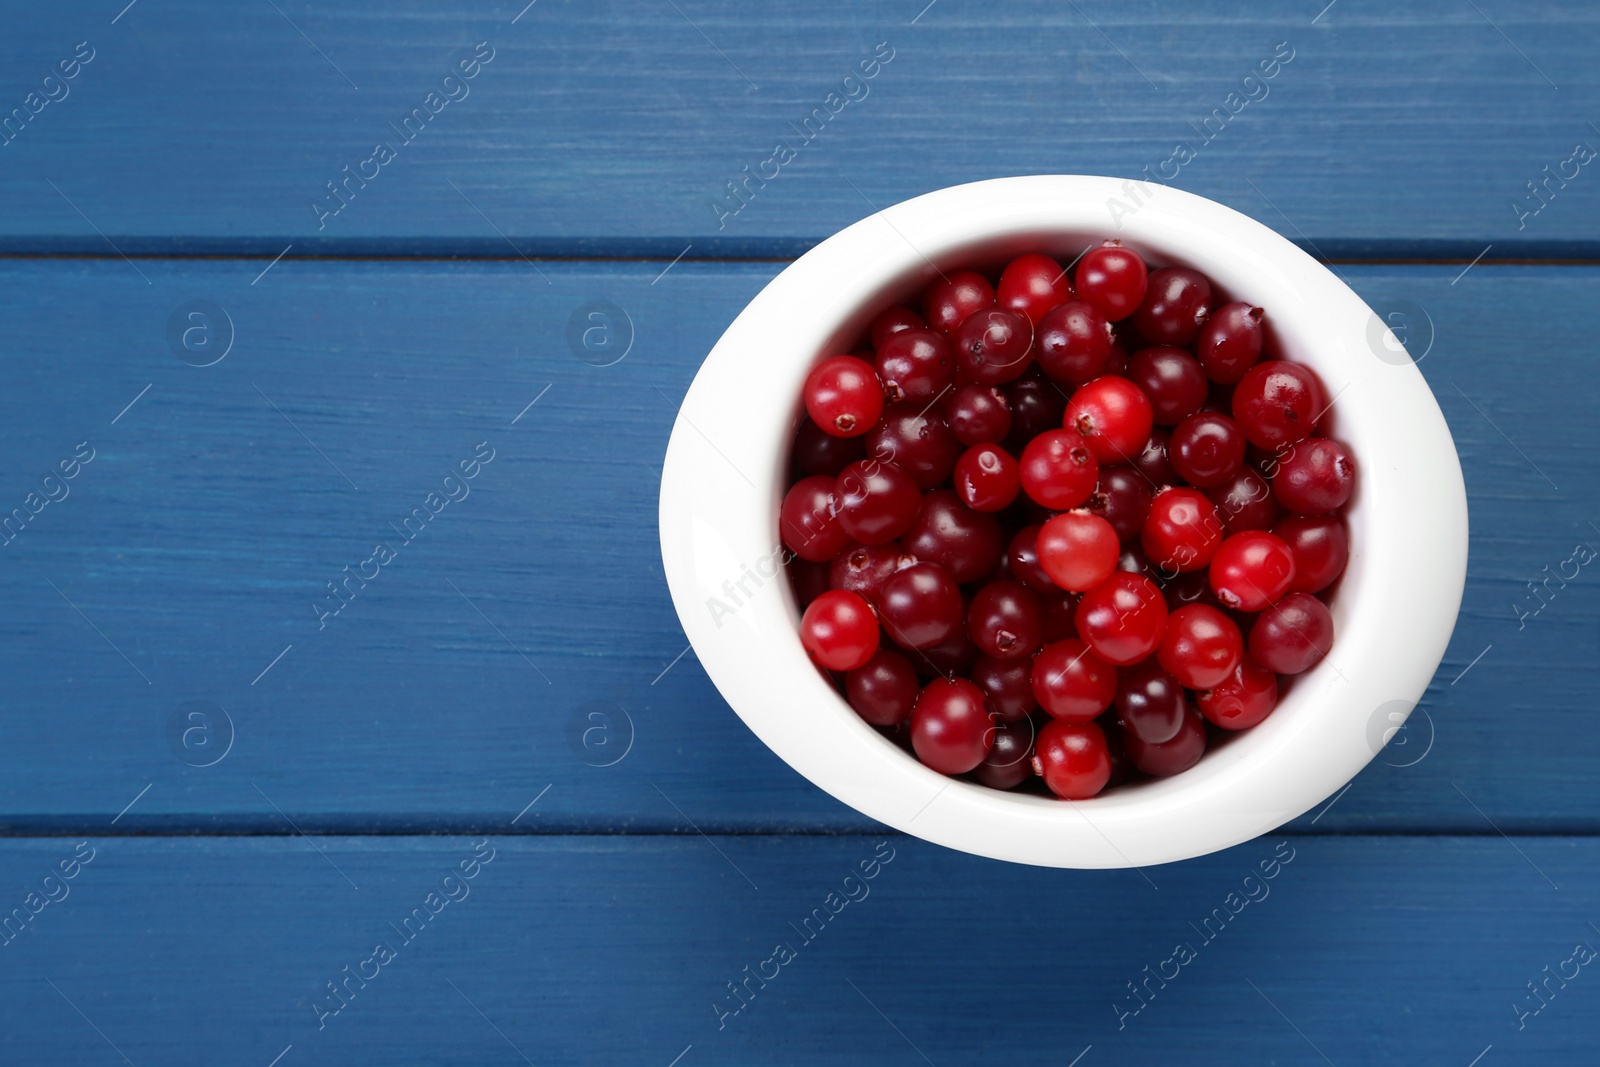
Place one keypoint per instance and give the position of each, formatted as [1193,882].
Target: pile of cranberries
[1065,529]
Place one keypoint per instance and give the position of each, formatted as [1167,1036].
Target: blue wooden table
[276,276]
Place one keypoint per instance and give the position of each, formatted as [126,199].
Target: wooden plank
[607,950]
[612,129]
[457,685]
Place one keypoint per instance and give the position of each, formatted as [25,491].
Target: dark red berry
[1170,757]
[877,501]
[1003,620]
[1008,683]
[1009,762]
[1122,498]
[978,414]
[992,346]
[1072,759]
[987,478]
[1022,560]
[915,365]
[1242,699]
[1251,571]
[1201,647]
[1320,547]
[1173,381]
[967,543]
[1277,403]
[917,441]
[808,579]
[1073,342]
[1293,635]
[883,690]
[1058,611]
[1150,702]
[920,606]
[1113,279]
[951,299]
[808,521]
[951,729]
[862,569]
[1123,618]
[1072,682]
[891,321]
[1230,342]
[1113,417]
[819,452]
[1207,450]
[839,631]
[952,657]
[1176,304]
[843,396]
[1036,405]
[1153,460]
[1078,550]
[1033,284]
[1244,502]
[1315,477]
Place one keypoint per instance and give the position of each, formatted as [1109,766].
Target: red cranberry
[1074,342]
[1241,700]
[1230,342]
[1315,477]
[1181,590]
[891,321]
[1172,379]
[1033,284]
[808,521]
[1078,550]
[1122,498]
[808,578]
[915,365]
[1134,561]
[1059,470]
[839,631]
[993,346]
[1008,683]
[1176,303]
[843,396]
[1244,502]
[862,569]
[1057,615]
[1207,450]
[1121,766]
[1153,460]
[1009,762]
[1003,620]
[987,478]
[1182,531]
[819,452]
[1150,703]
[952,657]
[1252,570]
[1170,757]
[920,605]
[917,441]
[1320,547]
[877,501]
[1112,415]
[883,690]
[951,730]
[1022,560]
[1071,682]
[1113,279]
[950,300]
[1201,647]
[1123,618]
[1072,759]
[1117,362]
[1036,405]
[1277,403]
[1292,635]
[978,414]
[947,532]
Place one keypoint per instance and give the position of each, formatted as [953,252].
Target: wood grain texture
[456,685]
[579,950]
[611,128]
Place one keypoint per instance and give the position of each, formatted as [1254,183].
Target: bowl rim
[1401,591]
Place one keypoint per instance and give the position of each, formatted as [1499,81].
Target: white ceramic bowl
[724,477]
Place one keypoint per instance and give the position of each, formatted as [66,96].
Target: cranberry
[1230,342]
[1121,766]
[882,690]
[1123,618]
[877,501]
[1058,469]
[1033,284]
[1244,502]
[1008,683]
[1074,342]
[1003,620]
[1181,590]
[1149,703]
[1320,547]
[1201,647]
[1315,477]
[1172,379]
[1117,362]
[1071,682]
[1009,762]
[1113,279]
[1242,699]
[1072,759]
[951,730]
[987,478]
[843,396]
[862,569]
[1113,416]
[947,532]
[1036,405]
[1022,560]
[920,605]
[891,321]
[953,656]
[1175,305]
[1182,532]
[819,452]
[1207,450]
[1122,498]
[1277,403]
[1153,461]
[1170,757]
[1292,635]
[917,441]
[839,631]
[1252,570]
[993,346]
[808,521]
[1134,561]
[1057,615]
[978,414]
[808,578]
[950,300]
[915,365]
[1078,550]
